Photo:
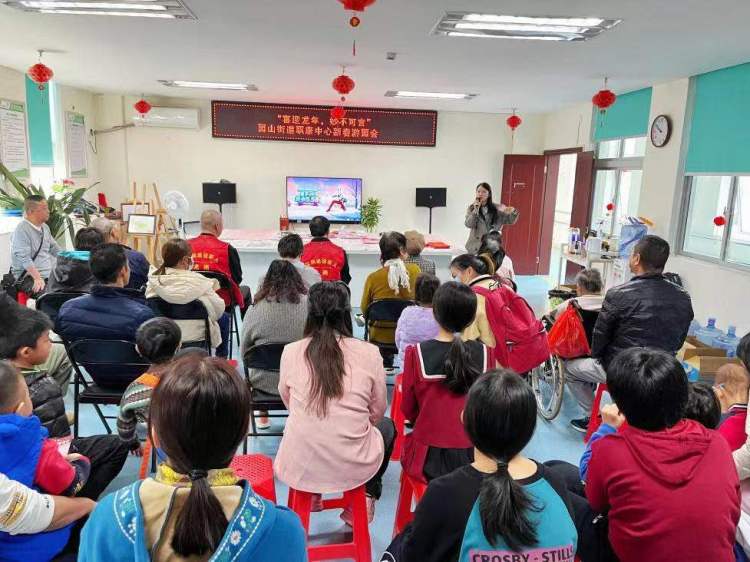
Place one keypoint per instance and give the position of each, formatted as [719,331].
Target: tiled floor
[552,440]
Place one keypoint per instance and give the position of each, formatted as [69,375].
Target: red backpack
[521,340]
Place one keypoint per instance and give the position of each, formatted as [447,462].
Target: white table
[587,260]
[257,249]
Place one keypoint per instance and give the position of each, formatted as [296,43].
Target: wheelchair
[548,383]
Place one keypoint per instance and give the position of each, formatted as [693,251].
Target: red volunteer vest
[211,254]
[325,257]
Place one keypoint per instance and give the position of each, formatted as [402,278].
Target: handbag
[567,338]
[25,283]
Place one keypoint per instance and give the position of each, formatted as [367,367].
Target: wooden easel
[165,226]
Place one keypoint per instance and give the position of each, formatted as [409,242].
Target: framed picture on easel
[141,225]
[128,209]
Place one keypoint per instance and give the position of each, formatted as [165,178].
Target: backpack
[521,340]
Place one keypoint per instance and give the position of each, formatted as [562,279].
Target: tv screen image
[337,199]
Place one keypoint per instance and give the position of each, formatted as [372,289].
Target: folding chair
[111,366]
[384,310]
[267,358]
[232,309]
[191,311]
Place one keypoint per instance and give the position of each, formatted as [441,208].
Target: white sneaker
[360,320]
[262,421]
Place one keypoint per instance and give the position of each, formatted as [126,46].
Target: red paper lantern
[40,74]
[720,220]
[343,84]
[610,207]
[142,107]
[338,112]
[514,121]
[604,99]
[357,5]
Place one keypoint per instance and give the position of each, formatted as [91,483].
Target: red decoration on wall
[142,107]
[514,121]
[357,5]
[40,73]
[720,220]
[338,112]
[610,207]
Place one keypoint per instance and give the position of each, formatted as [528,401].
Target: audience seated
[415,243]
[176,283]
[327,258]
[111,311]
[492,245]
[33,250]
[195,507]
[290,249]
[437,376]
[702,405]
[417,323]
[212,254]
[137,262]
[732,384]
[742,455]
[333,385]
[278,316]
[157,340]
[661,479]
[31,458]
[501,507]
[394,280]
[647,311]
[72,273]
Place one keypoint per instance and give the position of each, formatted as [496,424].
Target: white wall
[470,149]
[12,85]
[568,128]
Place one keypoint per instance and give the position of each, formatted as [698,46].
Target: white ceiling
[292,49]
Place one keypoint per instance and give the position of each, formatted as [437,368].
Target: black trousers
[107,454]
[387,429]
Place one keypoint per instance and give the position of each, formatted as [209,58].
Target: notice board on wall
[313,123]
[75,139]
[14,140]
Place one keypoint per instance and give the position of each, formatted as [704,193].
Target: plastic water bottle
[706,335]
[694,327]
[692,373]
[728,342]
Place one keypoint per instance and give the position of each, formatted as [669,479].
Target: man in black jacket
[647,311]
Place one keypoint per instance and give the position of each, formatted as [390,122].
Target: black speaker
[220,193]
[431,197]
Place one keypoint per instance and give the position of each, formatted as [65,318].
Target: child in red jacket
[731,386]
[662,478]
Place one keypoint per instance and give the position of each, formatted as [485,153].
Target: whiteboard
[75,139]
[14,144]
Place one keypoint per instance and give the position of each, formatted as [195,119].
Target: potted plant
[63,202]
[372,211]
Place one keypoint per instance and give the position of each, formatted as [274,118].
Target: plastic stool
[359,548]
[411,490]
[398,417]
[595,420]
[22,298]
[258,470]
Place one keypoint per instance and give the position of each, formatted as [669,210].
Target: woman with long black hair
[484,215]
[437,376]
[503,506]
[336,438]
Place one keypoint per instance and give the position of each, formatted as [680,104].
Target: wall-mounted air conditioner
[172,117]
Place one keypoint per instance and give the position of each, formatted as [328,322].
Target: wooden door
[583,200]
[524,189]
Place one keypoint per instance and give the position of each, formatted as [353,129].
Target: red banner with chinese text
[313,123]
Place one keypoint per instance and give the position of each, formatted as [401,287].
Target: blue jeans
[223,349]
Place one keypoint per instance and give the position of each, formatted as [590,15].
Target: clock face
[661,130]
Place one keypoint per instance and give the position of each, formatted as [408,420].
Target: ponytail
[171,254]
[504,508]
[459,369]
[201,524]
[489,264]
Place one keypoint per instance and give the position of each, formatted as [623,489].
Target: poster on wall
[14,144]
[75,135]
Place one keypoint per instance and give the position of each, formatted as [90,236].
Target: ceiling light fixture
[547,28]
[428,95]
[164,9]
[209,85]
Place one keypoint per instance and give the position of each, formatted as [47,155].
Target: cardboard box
[706,359]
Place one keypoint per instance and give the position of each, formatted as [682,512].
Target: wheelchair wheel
[548,382]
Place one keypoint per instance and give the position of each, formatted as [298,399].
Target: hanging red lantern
[343,85]
[720,220]
[610,207]
[357,5]
[338,112]
[514,121]
[40,73]
[142,107]
[604,99]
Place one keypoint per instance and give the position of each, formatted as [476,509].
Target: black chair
[226,285]
[111,365]
[384,310]
[50,303]
[267,358]
[191,228]
[588,318]
[195,310]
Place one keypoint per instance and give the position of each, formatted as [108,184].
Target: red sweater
[672,495]
[733,427]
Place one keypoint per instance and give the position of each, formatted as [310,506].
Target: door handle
[519,185]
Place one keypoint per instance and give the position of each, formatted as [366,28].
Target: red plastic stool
[595,420]
[411,490]
[398,417]
[258,470]
[359,548]
[22,298]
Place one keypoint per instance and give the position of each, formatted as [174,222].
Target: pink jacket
[344,449]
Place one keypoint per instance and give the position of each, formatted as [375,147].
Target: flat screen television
[337,199]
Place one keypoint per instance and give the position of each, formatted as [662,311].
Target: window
[618,181]
[707,197]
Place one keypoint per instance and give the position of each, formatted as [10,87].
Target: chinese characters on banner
[313,123]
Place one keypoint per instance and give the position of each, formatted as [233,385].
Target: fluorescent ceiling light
[428,95]
[208,85]
[547,28]
[165,9]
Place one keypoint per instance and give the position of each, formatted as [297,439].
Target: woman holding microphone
[484,216]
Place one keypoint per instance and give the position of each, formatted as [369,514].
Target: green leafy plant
[62,203]
[372,211]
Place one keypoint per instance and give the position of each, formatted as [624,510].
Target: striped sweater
[134,407]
